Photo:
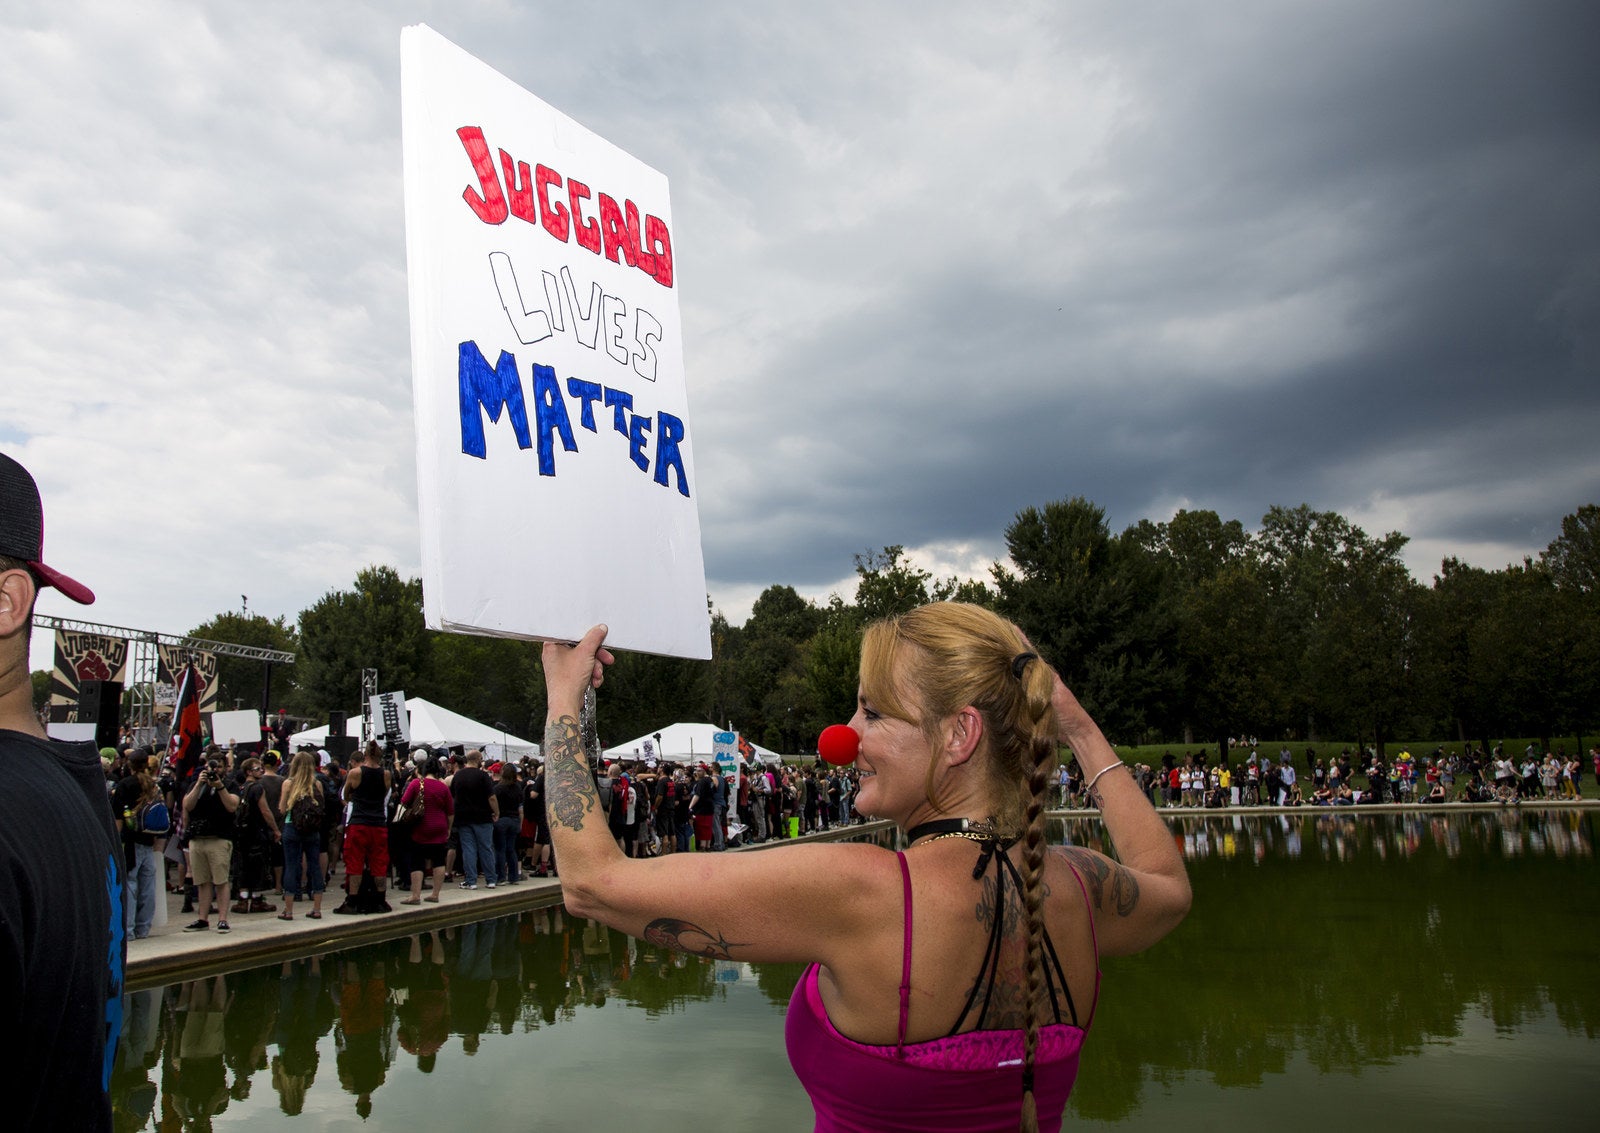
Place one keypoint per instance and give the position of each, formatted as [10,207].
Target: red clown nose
[838,744]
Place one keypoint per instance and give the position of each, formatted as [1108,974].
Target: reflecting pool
[1335,969]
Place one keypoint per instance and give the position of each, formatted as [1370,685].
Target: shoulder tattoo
[1097,872]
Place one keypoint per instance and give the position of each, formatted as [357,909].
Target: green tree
[1573,557]
[887,584]
[242,681]
[1214,587]
[376,625]
[768,668]
[1094,606]
[491,679]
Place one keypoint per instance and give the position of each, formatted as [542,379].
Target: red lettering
[645,261]
[615,232]
[587,231]
[528,196]
[658,242]
[519,187]
[553,215]
[491,205]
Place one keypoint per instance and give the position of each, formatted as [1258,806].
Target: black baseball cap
[22,530]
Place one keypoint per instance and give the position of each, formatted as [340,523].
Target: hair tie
[1020,662]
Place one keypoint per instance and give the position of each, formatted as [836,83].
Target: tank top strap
[905,962]
[1094,941]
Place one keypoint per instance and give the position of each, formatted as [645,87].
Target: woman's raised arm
[1144,894]
[788,904]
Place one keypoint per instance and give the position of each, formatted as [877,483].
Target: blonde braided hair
[925,665]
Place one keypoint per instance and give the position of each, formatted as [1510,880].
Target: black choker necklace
[972,829]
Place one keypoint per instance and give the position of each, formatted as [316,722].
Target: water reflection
[213,1041]
[1327,944]
[1320,944]
[1339,836]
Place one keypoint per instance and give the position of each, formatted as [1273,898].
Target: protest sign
[390,723]
[241,727]
[555,475]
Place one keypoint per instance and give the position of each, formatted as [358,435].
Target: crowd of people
[1472,775]
[245,828]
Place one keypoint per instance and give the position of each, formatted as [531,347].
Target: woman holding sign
[950,985]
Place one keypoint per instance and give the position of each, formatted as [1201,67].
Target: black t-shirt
[210,817]
[472,787]
[509,796]
[533,799]
[703,798]
[62,949]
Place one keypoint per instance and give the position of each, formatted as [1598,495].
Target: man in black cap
[62,942]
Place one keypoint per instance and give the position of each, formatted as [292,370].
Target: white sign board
[555,474]
[390,724]
[241,727]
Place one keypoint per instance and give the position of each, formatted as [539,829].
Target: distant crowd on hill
[1348,778]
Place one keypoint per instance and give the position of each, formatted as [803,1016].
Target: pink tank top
[961,1083]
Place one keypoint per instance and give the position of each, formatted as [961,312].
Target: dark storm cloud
[1414,185]
[939,262]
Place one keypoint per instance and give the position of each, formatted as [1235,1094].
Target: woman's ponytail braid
[1038,759]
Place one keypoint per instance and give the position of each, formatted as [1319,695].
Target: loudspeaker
[100,704]
[335,724]
[342,748]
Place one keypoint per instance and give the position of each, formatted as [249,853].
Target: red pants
[366,847]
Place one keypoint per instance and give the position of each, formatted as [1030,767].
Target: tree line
[1186,631]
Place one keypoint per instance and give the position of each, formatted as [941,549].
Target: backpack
[152,817]
[307,813]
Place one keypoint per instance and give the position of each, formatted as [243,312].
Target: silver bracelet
[1102,771]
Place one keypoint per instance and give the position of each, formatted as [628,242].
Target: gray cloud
[939,263]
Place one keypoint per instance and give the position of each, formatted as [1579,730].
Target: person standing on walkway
[366,833]
[302,839]
[476,812]
[507,825]
[208,811]
[431,832]
[61,916]
[145,875]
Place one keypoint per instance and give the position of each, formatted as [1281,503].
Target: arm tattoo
[1095,869]
[567,778]
[681,936]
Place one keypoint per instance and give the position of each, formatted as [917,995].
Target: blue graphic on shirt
[115,952]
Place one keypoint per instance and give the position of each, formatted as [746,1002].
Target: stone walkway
[170,954]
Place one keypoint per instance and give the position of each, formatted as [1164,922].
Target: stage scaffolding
[143,660]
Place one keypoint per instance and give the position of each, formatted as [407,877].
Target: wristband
[1102,771]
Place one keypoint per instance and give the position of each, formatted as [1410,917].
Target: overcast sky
[938,262]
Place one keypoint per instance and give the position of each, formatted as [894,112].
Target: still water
[1336,969]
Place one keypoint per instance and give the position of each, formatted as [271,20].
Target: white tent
[681,743]
[434,725]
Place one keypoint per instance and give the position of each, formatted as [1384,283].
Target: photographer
[208,814]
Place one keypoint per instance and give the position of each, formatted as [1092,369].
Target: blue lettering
[550,415]
[638,427]
[667,454]
[623,402]
[490,390]
[587,394]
